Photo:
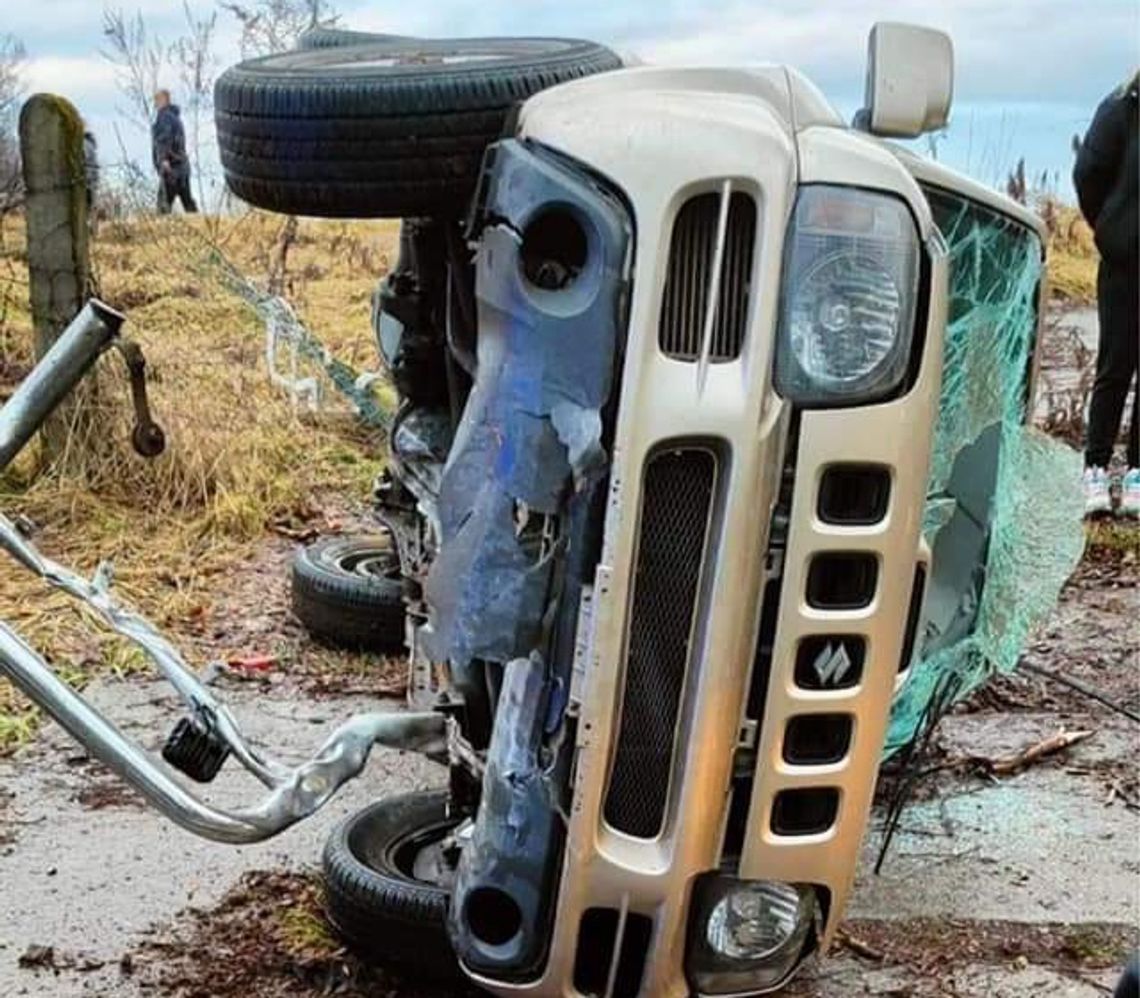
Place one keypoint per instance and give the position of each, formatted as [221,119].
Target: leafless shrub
[1065,381]
[269,26]
[12,56]
[279,258]
[194,59]
[1016,185]
[139,58]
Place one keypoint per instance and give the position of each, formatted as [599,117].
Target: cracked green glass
[1004,504]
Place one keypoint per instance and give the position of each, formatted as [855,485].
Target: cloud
[1033,50]
[90,75]
[87,81]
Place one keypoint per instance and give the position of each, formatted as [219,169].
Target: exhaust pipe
[88,335]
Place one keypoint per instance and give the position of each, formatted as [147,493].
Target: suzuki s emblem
[832,664]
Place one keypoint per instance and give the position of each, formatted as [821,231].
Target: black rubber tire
[384,914]
[374,130]
[347,591]
[327,38]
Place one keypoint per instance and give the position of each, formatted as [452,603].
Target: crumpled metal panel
[508,855]
[1004,508]
[531,432]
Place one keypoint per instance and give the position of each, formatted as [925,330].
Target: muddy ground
[1023,885]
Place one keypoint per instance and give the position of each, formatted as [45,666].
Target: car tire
[327,38]
[348,592]
[375,902]
[391,128]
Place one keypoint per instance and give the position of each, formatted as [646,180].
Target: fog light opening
[493,916]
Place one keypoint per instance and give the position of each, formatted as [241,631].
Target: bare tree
[934,140]
[193,57]
[12,56]
[269,26]
[139,58]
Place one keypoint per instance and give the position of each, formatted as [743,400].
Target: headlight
[748,935]
[847,310]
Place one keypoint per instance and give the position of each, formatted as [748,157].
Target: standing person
[168,149]
[1106,179]
[91,168]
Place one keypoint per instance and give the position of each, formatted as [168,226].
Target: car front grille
[676,512]
[691,281]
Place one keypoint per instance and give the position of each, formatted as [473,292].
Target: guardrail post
[59,267]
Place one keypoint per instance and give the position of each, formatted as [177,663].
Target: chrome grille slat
[691,286]
[676,511]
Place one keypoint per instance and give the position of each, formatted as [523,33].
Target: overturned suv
[669,345]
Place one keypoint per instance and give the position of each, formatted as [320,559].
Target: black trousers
[1129,986]
[173,186]
[1118,307]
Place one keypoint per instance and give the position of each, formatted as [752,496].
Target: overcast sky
[1029,73]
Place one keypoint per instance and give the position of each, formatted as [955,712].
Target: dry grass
[1072,256]
[238,458]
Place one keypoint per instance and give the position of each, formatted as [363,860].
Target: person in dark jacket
[1106,177]
[168,149]
[91,168]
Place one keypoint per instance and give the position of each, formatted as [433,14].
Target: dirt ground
[1024,885]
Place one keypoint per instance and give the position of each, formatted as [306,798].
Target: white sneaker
[1098,499]
[1129,493]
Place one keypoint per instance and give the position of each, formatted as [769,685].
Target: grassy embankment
[239,458]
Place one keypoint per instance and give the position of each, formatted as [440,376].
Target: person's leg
[165,195]
[1130,485]
[1134,432]
[1117,349]
[1129,986]
[185,195]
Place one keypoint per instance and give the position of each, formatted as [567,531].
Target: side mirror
[910,80]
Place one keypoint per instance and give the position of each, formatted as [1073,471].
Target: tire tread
[297,140]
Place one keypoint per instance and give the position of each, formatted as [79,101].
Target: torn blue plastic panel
[549,282]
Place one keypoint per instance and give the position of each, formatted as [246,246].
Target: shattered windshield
[1003,510]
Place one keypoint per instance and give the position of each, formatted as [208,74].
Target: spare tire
[348,593]
[326,38]
[390,128]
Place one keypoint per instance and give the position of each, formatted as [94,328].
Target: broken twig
[1084,689]
[992,768]
[858,946]
[1035,753]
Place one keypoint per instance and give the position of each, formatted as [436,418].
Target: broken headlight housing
[748,936]
[850,292]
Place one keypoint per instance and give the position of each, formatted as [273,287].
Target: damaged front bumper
[696,615]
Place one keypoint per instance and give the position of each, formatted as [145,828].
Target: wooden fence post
[59,267]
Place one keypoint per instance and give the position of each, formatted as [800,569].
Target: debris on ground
[933,947]
[268,938]
[38,956]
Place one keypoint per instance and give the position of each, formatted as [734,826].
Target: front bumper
[727,410]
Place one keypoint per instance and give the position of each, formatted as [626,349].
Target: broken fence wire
[282,324]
